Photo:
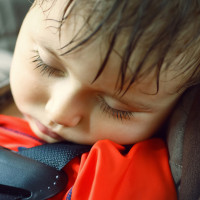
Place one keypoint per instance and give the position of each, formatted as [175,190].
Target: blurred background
[12,13]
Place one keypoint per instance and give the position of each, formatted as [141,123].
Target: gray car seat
[183,139]
[12,13]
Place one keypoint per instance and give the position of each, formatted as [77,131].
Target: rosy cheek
[26,87]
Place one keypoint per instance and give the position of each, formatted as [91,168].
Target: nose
[65,105]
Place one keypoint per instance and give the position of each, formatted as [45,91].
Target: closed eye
[44,68]
[115,113]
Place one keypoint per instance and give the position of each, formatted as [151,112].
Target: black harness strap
[56,155]
[36,173]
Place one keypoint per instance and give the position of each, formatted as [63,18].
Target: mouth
[45,130]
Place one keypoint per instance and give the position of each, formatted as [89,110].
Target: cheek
[122,132]
[144,126]
[26,87]
[136,132]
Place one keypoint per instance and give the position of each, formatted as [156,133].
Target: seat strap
[36,173]
[56,155]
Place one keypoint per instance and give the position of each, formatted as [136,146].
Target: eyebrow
[49,50]
[145,107]
[135,103]
[139,105]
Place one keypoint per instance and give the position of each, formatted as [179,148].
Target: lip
[47,131]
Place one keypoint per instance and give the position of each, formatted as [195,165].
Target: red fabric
[143,173]
[15,132]
[105,172]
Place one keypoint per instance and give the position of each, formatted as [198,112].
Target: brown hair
[163,30]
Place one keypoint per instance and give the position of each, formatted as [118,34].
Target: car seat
[183,140]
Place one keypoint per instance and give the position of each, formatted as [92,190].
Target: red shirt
[105,173]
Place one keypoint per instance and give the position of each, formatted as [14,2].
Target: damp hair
[162,30]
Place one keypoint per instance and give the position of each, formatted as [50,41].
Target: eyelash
[44,68]
[115,113]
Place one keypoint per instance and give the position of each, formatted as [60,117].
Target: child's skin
[64,104]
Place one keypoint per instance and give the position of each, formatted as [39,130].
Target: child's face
[61,103]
